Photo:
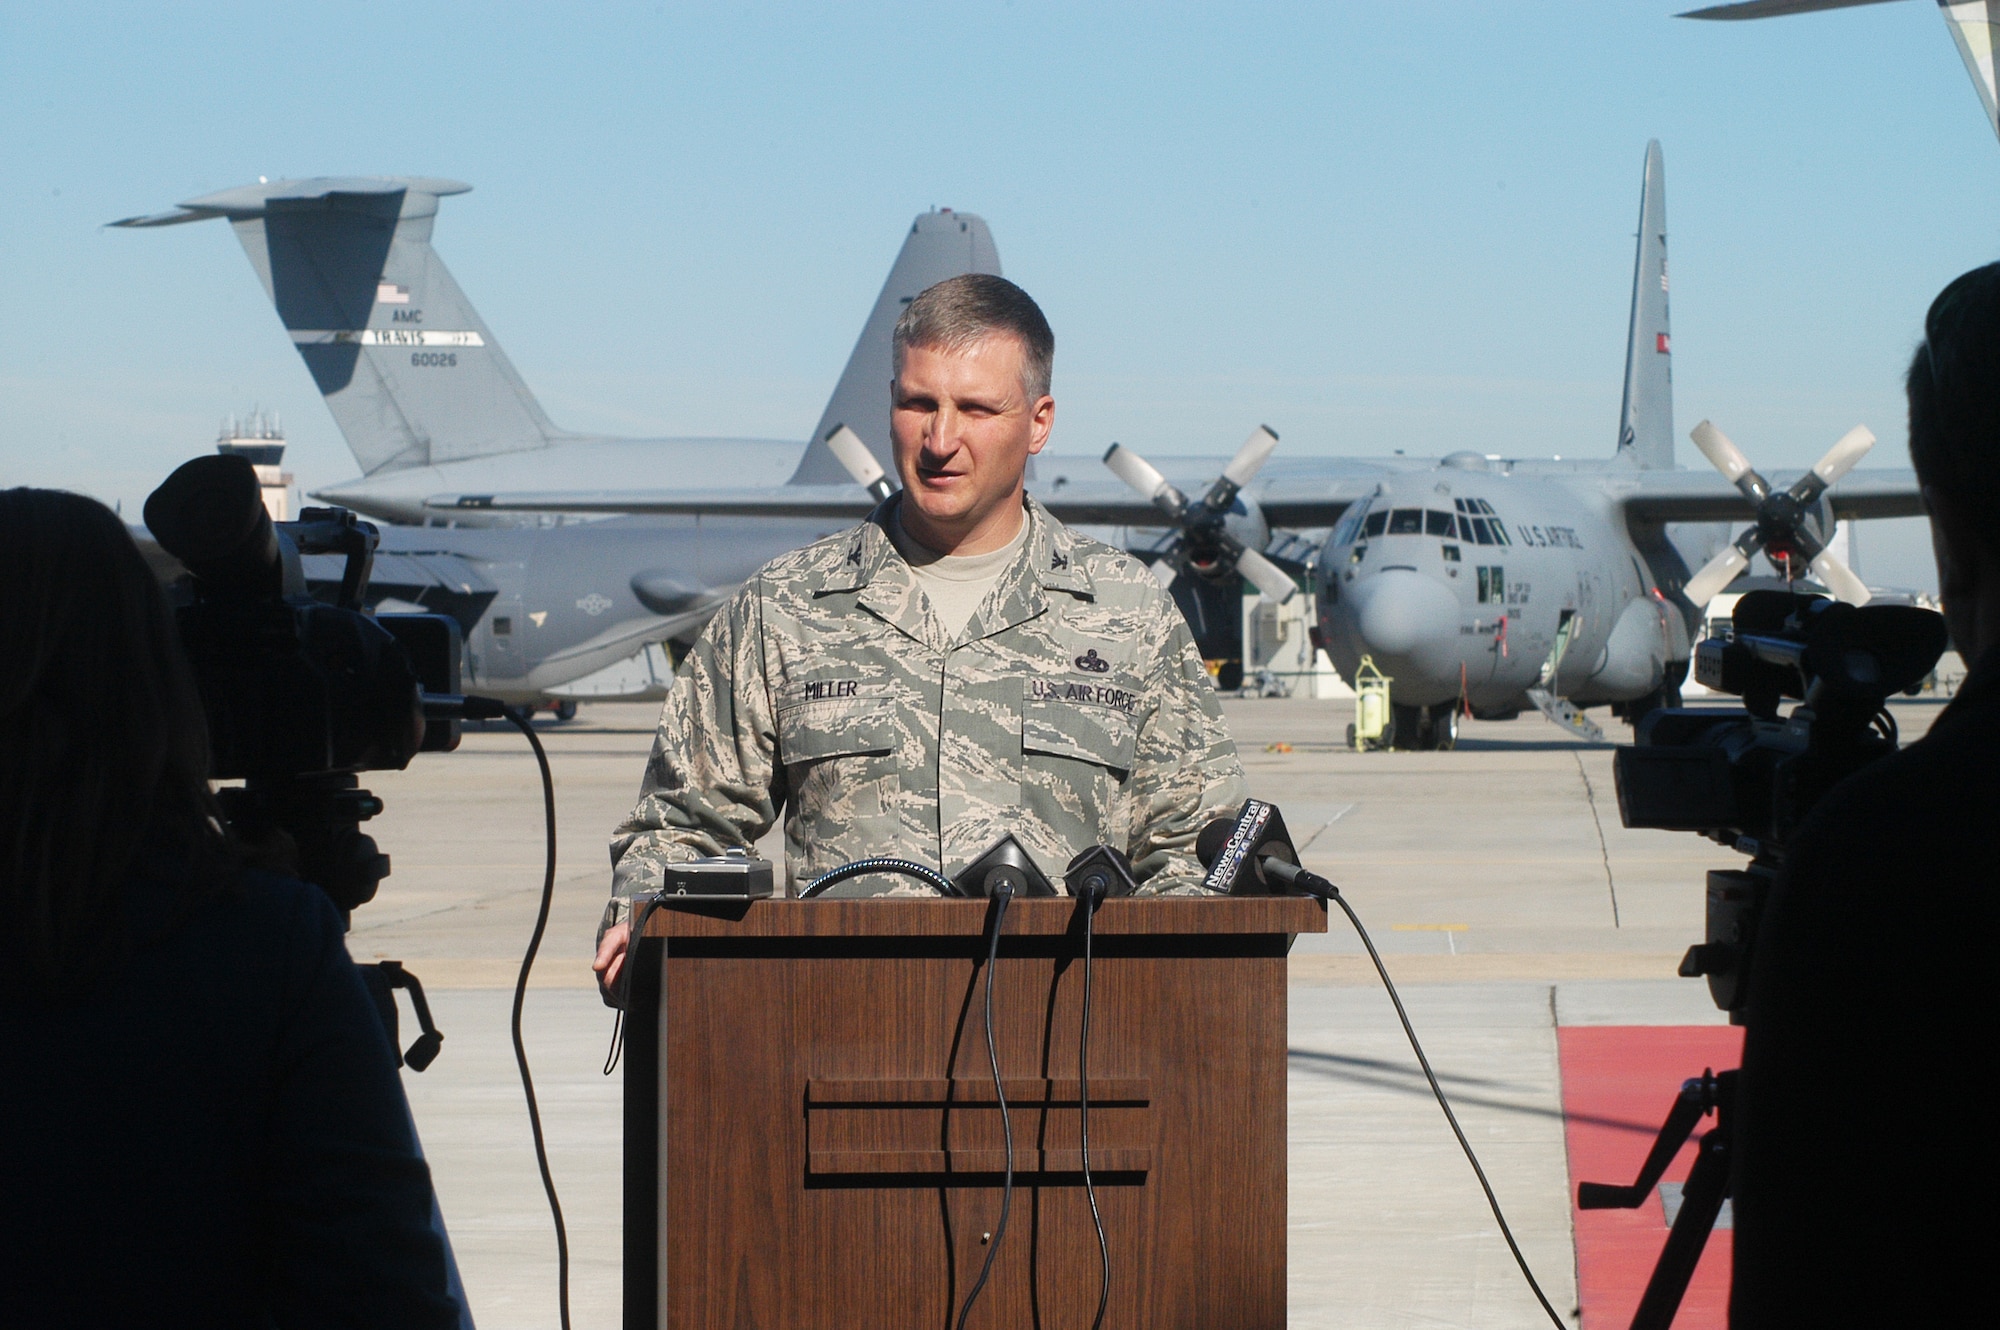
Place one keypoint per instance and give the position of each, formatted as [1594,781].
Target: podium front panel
[813,1138]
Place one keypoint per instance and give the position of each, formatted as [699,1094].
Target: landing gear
[565,709]
[1423,729]
[1666,695]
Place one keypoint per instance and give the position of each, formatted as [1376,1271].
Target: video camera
[1748,778]
[300,695]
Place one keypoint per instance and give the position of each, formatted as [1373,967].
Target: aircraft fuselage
[1461,583]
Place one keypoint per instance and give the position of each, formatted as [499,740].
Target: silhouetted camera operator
[200,1118]
[1865,1160]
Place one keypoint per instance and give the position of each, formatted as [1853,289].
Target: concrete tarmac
[1496,879]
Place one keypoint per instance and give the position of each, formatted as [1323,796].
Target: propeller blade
[1840,458]
[1716,574]
[1730,461]
[1838,578]
[1144,477]
[1267,577]
[1720,450]
[848,449]
[1250,458]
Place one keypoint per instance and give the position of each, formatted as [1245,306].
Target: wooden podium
[812,1138]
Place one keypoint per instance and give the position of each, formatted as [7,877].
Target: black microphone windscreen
[1212,838]
[1232,849]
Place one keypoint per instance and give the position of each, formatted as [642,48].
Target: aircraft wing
[771,501]
[1705,496]
[1301,497]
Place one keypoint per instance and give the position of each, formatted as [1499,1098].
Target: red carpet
[1618,1083]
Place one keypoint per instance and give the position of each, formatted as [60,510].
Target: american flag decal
[388,293]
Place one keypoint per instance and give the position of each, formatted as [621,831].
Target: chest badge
[1091,663]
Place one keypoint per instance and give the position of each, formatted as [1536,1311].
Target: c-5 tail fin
[1646,419]
[406,365]
[941,244]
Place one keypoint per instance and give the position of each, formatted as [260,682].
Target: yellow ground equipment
[1370,729]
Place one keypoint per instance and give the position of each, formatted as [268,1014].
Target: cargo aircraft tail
[412,374]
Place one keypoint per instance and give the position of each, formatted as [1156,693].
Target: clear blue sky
[1375,226]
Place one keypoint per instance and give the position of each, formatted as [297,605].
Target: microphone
[1099,873]
[1005,866]
[1251,854]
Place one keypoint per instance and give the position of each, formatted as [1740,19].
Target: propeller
[1781,528]
[1202,539]
[848,449]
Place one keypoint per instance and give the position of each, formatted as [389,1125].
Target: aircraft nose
[1405,621]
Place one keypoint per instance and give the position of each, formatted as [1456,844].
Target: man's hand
[610,962]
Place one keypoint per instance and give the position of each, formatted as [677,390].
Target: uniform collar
[872,568]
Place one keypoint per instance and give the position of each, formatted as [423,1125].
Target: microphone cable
[1001,899]
[930,877]
[1092,899]
[519,719]
[1312,883]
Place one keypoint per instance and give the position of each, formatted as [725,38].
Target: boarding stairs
[1561,710]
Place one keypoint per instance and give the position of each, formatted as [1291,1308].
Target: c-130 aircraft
[1481,585]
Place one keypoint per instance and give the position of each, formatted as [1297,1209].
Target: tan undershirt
[955,584]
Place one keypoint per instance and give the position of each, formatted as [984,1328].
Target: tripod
[1701,1199]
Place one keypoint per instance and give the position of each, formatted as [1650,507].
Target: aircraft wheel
[1408,730]
[566,709]
[1666,695]
[1444,726]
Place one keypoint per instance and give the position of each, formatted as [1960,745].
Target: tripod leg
[1701,1201]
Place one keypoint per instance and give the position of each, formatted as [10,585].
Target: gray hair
[961,311]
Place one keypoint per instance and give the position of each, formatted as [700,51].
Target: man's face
[964,429]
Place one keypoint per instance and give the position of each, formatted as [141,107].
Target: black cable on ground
[521,723]
[1332,893]
[1083,1114]
[1001,900]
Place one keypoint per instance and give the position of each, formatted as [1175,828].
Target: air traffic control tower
[260,440]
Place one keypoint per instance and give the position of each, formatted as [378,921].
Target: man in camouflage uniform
[850,689]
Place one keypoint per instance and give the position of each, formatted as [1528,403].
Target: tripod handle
[1611,1196]
[1697,1096]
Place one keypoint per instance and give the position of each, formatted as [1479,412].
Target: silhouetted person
[200,1117]
[1864,1190]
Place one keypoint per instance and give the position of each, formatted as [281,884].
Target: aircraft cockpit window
[1437,523]
[1480,531]
[1406,522]
[1350,524]
[1375,523]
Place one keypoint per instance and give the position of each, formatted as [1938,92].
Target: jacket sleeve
[712,781]
[1185,769]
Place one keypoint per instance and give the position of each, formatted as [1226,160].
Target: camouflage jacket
[1072,710]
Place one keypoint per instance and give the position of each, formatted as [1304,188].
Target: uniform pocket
[811,732]
[1086,722]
